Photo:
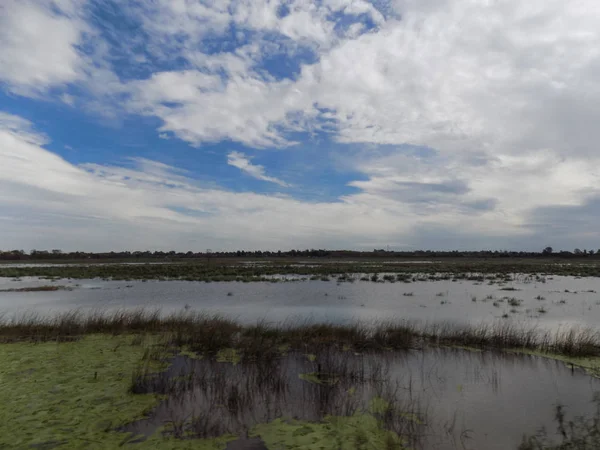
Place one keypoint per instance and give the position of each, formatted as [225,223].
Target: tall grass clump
[210,333]
[573,342]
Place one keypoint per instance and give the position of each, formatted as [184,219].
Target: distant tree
[577,251]
[57,251]
[547,251]
[591,252]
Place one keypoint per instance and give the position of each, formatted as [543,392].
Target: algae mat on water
[73,396]
[358,432]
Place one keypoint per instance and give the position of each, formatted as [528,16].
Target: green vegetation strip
[75,395]
[405,271]
[357,432]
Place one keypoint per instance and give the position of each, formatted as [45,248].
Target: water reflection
[554,302]
[441,399]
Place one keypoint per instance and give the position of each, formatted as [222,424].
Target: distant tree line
[57,254]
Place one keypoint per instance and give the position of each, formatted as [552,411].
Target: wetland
[317,358]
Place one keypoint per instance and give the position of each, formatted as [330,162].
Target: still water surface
[458,399]
[557,301]
[493,398]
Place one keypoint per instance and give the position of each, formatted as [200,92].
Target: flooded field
[436,399]
[548,302]
[449,363]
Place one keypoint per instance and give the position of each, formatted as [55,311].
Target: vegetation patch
[72,393]
[39,289]
[357,432]
[500,270]
[206,334]
[576,433]
[228,355]
[591,365]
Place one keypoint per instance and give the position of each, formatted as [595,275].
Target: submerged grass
[290,402]
[576,433]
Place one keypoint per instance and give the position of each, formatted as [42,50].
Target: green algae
[190,354]
[378,405]
[283,349]
[228,355]
[171,443]
[412,417]
[357,432]
[76,395]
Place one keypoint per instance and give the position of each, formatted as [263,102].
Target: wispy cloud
[242,162]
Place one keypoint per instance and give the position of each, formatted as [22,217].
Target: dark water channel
[438,398]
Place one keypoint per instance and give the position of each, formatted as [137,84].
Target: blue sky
[264,124]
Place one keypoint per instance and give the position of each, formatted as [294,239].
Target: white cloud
[505,92]
[38,40]
[150,205]
[200,107]
[511,84]
[247,105]
[500,77]
[20,129]
[46,202]
[242,162]
[496,194]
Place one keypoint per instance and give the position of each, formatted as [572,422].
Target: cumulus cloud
[242,162]
[38,44]
[456,76]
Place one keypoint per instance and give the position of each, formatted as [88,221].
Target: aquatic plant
[579,433]
[210,333]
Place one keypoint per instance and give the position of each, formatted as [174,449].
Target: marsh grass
[514,302]
[492,271]
[574,342]
[209,333]
[39,289]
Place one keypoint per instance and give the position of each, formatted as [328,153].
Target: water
[566,300]
[468,400]
[449,399]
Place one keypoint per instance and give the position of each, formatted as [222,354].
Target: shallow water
[566,300]
[455,398]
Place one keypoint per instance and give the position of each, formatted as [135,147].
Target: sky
[264,124]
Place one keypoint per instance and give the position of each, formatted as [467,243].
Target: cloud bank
[457,124]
